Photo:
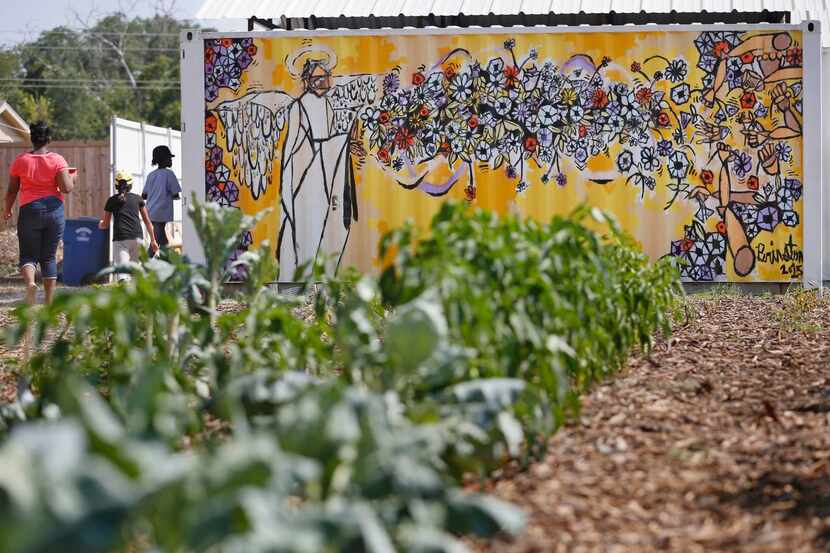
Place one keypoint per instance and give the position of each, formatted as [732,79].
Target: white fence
[131,150]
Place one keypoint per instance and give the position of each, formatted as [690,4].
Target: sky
[25,19]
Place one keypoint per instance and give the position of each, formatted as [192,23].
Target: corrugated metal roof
[800,10]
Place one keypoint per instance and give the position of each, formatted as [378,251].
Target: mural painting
[692,140]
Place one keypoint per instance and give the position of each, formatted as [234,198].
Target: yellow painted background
[384,205]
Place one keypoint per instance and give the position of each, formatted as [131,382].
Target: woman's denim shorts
[39,230]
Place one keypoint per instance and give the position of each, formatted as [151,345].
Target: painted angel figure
[320,152]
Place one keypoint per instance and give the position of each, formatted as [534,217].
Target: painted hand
[725,153]
[780,96]
[769,159]
[756,137]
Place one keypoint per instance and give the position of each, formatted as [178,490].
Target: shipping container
[703,141]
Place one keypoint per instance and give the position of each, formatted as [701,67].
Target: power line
[87,87]
[36,47]
[82,32]
[82,81]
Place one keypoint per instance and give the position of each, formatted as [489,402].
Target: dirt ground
[719,441]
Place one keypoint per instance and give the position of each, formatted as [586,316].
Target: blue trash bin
[85,251]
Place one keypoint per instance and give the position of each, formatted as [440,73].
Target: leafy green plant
[350,431]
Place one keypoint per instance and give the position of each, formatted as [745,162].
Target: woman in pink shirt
[41,177]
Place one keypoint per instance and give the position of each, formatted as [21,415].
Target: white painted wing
[252,126]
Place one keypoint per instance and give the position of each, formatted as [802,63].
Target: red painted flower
[752,182]
[583,131]
[444,148]
[424,111]
[251,50]
[721,49]
[721,227]
[384,117]
[635,67]
[383,155]
[794,56]
[404,138]
[472,122]
[470,192]
[748,57]
[511,73]
[748,100]
[226,42]
[531,143]
[418,78]
[707,177]
[600,98]
[663,119]
[210,55]
[210,123]
[643,96]
[449,72]
[687,245]
[209,166]
[221,186]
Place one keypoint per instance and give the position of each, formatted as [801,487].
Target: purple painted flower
[561,179]
[742,164]
[768,217]
[391,82]
[216,155]
[664,148]
[511,172]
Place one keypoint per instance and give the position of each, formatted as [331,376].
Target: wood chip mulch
[718,441]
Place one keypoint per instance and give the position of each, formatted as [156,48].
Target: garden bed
[719,441]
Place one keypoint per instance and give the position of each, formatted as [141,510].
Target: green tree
[79,79]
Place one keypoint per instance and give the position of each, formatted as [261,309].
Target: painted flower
[747,57]
[210,123]
[643,96]
[530,143]
[721,227]
[404,138]
[581,156]
[768,217]
[635,67]
[470,192]
[509,44]
[680,94]
[511,75]
[561,179]
[720,49]
[461,88]
[649,160]
[576,114]
[510,171]
[383,155]
[449,72]
[545,136]
[397,164]
[521,187]
[391,82]
[503,105]
[678,165]
[663,119]
[483,151]
[707,177]
[384,117]
[752,182]
[548,115]
[742,164]
[784,151]
[616,123]
[568,96]
[418,78]
[495,67]
[625,160]
[748,100]
[664,148]
[599,99]
[676,70]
